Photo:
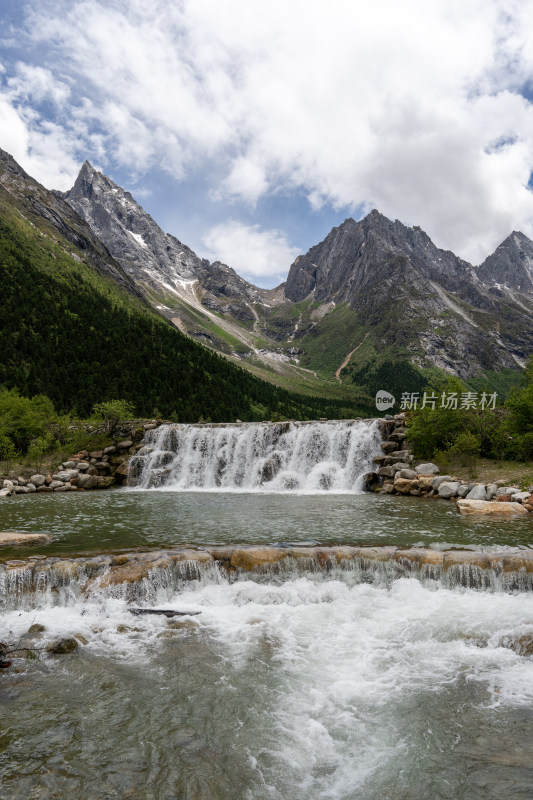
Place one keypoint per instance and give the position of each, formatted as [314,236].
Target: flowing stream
[296,684]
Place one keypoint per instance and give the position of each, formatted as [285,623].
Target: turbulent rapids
[156,575]
[278,457]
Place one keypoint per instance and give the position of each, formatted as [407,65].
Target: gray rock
[437,481]
[108,451]
[463,490]
[519,497]
[31,488]
[66,475]
[125,445]
[7,484]
[448,489]
[55,484]
[86,481]
[491,491]
[4,493]
[389,447]
[386,472]
[21,490]
[399,465]
[407,473]
[37,480]
[479,492]
[22,481]
[83,465]
[44,489]
[427,469]
[69,465]
[507,490]
[66,644]
[34,630]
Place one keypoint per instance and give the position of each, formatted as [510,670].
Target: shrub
[112,412]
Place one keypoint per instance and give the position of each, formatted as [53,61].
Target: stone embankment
[398,474]
[95,469]
[135,574]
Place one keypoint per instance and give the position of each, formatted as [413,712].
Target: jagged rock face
[511,264]
[348,259]
[151,256]
[437,305]
[34,199]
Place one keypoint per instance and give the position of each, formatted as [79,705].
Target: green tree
[111,412]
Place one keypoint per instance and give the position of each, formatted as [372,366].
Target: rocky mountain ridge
[373,292]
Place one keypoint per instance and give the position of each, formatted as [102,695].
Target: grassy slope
[79,338]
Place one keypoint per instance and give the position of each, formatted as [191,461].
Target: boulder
[22,481]
[37,480]
[463,490]
[22,539]
[31,487]
[83,465]
[519,497]
[66,475]
[437,481]
[97,454]
[386,472]
[122,470]
[21,490]
[448,489]
[504,498]
[125,445]
[491,490]
[407,473]
[427,469]
[4,493]
[507,490]
[425,481]
[389,447]
[7,484]
[405,485]
[44,488]
[69,465]
[108,451]
[86,481]
[491,508]
[66,644]
[479,492]
[388,488]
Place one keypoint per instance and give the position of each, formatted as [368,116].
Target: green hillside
[79,338]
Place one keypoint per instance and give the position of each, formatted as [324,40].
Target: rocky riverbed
[398,473]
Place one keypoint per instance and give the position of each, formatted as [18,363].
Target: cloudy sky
[249,128]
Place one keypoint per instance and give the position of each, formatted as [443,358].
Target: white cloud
[394,105]
[250,250]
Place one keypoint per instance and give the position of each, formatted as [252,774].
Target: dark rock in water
[67,644]
[35,630]
[164,612]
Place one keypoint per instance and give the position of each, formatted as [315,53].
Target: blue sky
[249,129]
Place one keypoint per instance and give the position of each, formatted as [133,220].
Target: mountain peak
[511,264]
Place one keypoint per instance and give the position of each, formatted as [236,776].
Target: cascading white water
[277,457]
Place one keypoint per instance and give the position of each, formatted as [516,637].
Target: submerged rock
[491,507]
[67,644]
[21,539]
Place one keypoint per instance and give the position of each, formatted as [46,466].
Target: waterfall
[156,576]
[328,456]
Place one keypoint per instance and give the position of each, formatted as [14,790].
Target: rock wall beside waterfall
[280,456]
